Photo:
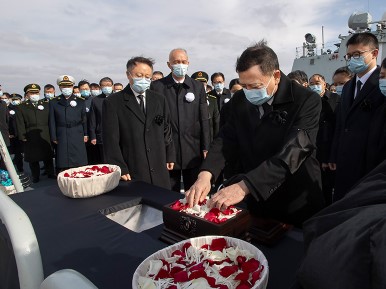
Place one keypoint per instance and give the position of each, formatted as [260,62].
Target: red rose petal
[181,276]
[243,285]
[172,287]
[178,253]
[218,244]
[162,274]
[243,276]
[257,275]
[250,266]
[206,246]
[66,175]
[228,270]
[240,260]
[186,246]
[199,266]
[222,286]
[175,270]
[197,274]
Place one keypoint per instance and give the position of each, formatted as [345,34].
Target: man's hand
[93,141]
[229,196]
[85,138]
[332,166]
[169,166]
[204,153]
[126,178]
[200,189]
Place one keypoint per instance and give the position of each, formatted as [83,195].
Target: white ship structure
[326,60]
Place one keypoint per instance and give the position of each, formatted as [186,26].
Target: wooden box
[180,226]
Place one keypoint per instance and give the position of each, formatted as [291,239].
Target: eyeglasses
[355,55]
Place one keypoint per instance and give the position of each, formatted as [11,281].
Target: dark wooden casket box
[179,226]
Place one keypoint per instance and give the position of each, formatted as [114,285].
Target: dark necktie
[359,86]
[142,104]
[177,87]
[267,108]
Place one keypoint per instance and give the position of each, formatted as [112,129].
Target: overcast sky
[42,39]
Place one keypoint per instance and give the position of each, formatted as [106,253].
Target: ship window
[312,61]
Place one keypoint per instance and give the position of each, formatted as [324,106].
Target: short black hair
[76,87]
[139,59]
[83,82]
[343,70]
[383,64]
[319,75]
[48,86]
[258,54]
[94,85]
[298,75]
[106,79]
[118,83]
[233,82]
[158,72]
[216,74]
[365,38]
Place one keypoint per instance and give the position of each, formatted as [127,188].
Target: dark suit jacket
[353,119]
[226,94]
[4,119]
[140,145]
[95,118]
[189,120]
[275,152]
[214,117]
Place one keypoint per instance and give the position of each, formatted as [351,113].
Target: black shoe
[35,180]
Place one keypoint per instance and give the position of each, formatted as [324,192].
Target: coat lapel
[151,108]
[132,104]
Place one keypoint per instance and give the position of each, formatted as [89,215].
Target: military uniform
[32,129]
[68,127]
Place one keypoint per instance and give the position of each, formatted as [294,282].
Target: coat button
[147,130]
[152,170]
[148,150]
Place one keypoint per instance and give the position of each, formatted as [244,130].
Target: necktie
[142,104]
[177,87]
[359,86]
[267,108]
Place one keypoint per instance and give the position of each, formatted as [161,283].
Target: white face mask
[96,92]
[180,70]
[67,91]
[34,97]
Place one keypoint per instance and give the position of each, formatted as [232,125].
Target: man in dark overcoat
[68,126]
[189,118]
[272,128]
[32,128]
[16,147]
[359,100]
[136,128]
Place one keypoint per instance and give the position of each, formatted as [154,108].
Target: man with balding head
[186,98]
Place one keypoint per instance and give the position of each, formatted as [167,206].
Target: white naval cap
[66,80]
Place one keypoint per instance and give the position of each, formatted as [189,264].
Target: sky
[91,39]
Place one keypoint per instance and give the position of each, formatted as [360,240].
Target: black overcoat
[275,153]
[32,126]
[95,118]
[68,126]
[140,145]
[4,122]
[189,120]
[214,117]
[222,98]
[353,119]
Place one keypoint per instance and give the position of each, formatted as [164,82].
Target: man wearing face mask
[32,128]
[317,83]
[95,89]
[359,100]
[68,126]
[186,98]
[49,91]
[95,118]
[222,94]
[272,128]
[136,128]
[340,77]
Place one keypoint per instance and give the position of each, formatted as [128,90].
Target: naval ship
[327,60]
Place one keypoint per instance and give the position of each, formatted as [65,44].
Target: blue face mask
[85,93]
[15,102]
[95,92]
[49,95]
[317,88]
[1,93]
[141,84]
[258,96]
[219,86]
[34,97]
[107,90]
[357,65]
[66,91]
[339,89]
[180,70]
[382,86]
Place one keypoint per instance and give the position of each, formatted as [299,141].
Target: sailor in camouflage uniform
[32,129]
[68,126]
